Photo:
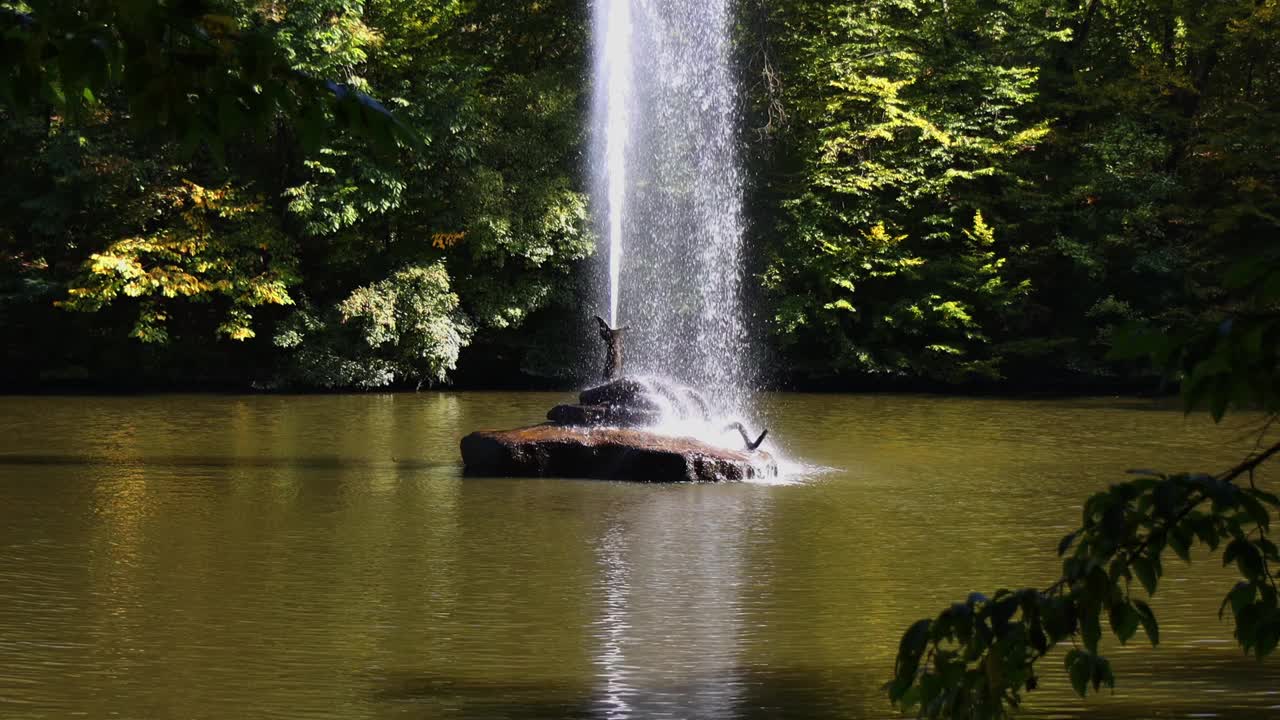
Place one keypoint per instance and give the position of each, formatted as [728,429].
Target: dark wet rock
[611,415]
[608,454]
[649,395]
[578,414]
[622,391]
[600,438]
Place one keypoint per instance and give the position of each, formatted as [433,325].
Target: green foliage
[903,120]
[502,183]
[1122,151]
[248,100]
[202,71]
[410,315]
[1229,358]
[405,329]
[978,658]
[220,245]
[970,191]
[877,307]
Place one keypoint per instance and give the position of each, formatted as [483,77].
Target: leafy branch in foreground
[977,657]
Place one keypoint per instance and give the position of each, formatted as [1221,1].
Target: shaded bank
[947,191]
[493,370]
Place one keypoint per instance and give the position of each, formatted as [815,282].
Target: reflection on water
[614,625]
[672,573]
[213,557]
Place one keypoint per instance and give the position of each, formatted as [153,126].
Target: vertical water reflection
[669,633]
[612,625]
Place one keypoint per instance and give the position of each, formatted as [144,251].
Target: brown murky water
[322,557]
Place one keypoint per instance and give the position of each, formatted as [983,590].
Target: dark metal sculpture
[613,349]
[631,401]
[747,438]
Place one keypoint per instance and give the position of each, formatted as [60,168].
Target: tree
[975,191]
[203,70]
[977,658]
[1121,150]
[221,245]
[495,203]
[405,328]
[269,105]
[906,116]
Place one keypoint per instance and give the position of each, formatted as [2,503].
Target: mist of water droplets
[667,190]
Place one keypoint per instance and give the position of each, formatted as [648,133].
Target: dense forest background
[969,193]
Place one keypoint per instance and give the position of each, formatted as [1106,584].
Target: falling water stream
[668,190]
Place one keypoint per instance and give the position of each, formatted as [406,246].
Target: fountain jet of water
[617,70]
[668,191]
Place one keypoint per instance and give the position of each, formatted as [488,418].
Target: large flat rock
[608,454]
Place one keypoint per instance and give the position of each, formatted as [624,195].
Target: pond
[323,557]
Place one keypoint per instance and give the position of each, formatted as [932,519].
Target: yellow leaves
[149,327]
[214,244]
[237,332]
[982,234]
[952,312]
[175,282]
[236,326]
[928,131]
[845,283]
[1027,139]
[222,29]
[264,291]
[218,24]
[444,241]
[198,202]
[271,10]
[1260,26]
[879,236]
[867,86]
[199,196]
[109,263]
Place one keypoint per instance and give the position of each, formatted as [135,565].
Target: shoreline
[1129,390]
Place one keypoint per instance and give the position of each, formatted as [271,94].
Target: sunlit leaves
[214,244]
[405,328]
[885,267]
[254,98]
[198,74]
[987,648]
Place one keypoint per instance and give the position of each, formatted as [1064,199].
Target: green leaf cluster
[476,139]
[1126,533]
[404,329]
[978,658]
[1123,152]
